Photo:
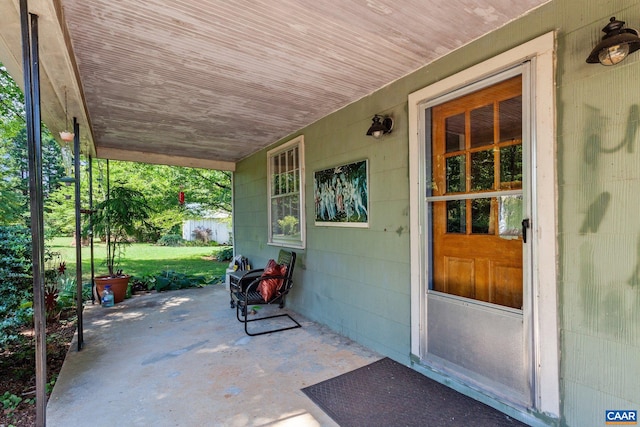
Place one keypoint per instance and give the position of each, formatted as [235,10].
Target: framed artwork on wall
[341,195]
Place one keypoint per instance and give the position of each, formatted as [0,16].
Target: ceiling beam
[163,159]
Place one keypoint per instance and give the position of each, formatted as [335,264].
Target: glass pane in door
[510,117]
[455,174]
[482,126]
[482,170]
[454,128]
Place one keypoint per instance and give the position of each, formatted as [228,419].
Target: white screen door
[478,298]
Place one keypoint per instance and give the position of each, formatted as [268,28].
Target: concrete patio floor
[181,358]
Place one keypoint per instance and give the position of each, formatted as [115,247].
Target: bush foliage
[15,280]
[225,254]
[171,240]
[171,280]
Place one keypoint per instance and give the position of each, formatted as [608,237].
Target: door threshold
[526,415]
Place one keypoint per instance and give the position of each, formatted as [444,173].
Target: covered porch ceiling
[206,83]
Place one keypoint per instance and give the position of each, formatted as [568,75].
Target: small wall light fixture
[380,126]
[616,44]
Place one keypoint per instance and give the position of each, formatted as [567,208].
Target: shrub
[141,284]
[172,280]
[225,254]
[15,279]
[68,289]
[171,240]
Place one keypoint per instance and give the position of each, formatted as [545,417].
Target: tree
[123,214]
[14,169]
[12,111]
[206,191]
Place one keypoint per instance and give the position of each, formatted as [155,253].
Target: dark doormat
[386,393]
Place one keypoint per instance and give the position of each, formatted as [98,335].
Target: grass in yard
[143,259]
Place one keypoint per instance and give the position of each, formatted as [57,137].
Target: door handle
[525,224]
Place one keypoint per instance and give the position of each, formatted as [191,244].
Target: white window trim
[299,141]
[545,311]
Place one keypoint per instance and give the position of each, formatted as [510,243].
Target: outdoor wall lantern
[380,126]
[616,44]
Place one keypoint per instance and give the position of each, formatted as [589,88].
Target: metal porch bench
[244,292]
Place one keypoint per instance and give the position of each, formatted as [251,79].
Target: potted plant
[123,214]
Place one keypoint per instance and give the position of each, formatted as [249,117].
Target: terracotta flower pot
[118,286]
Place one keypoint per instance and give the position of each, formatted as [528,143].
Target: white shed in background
[217,228]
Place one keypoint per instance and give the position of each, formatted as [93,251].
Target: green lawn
[142,259]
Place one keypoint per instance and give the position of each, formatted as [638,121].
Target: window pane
[456,174]
[273,175]
[454,128]
[511,167]
[510,216]
[286,190]
[282,180]
[482,170]
[456,216]
[276,184]
[285,217]
[482,126]
[295,181]
[481,217]
[511,119]
[291,186]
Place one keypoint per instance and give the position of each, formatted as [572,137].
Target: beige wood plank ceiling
[217,80]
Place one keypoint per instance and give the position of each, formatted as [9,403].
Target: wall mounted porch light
[616,44]
[380,126]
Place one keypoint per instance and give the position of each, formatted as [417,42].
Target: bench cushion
[269,287]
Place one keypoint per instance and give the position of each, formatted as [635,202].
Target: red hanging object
[181,197]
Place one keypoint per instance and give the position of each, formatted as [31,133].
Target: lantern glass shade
[614,54]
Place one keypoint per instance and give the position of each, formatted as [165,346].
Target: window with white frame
[286,194]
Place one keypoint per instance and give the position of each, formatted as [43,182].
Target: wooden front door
[477,167]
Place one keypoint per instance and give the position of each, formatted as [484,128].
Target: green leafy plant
[16,285]
[171,240]
[24,314]
[225,254]
[10,401]
[52,382]
[171,280]
[68,290]
[141,284]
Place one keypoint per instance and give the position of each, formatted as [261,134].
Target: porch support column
[76,173]
[93,270]
[31,72]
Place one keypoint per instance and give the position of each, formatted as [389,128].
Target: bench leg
[246,321]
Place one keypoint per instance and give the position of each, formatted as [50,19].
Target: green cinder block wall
[357,281]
